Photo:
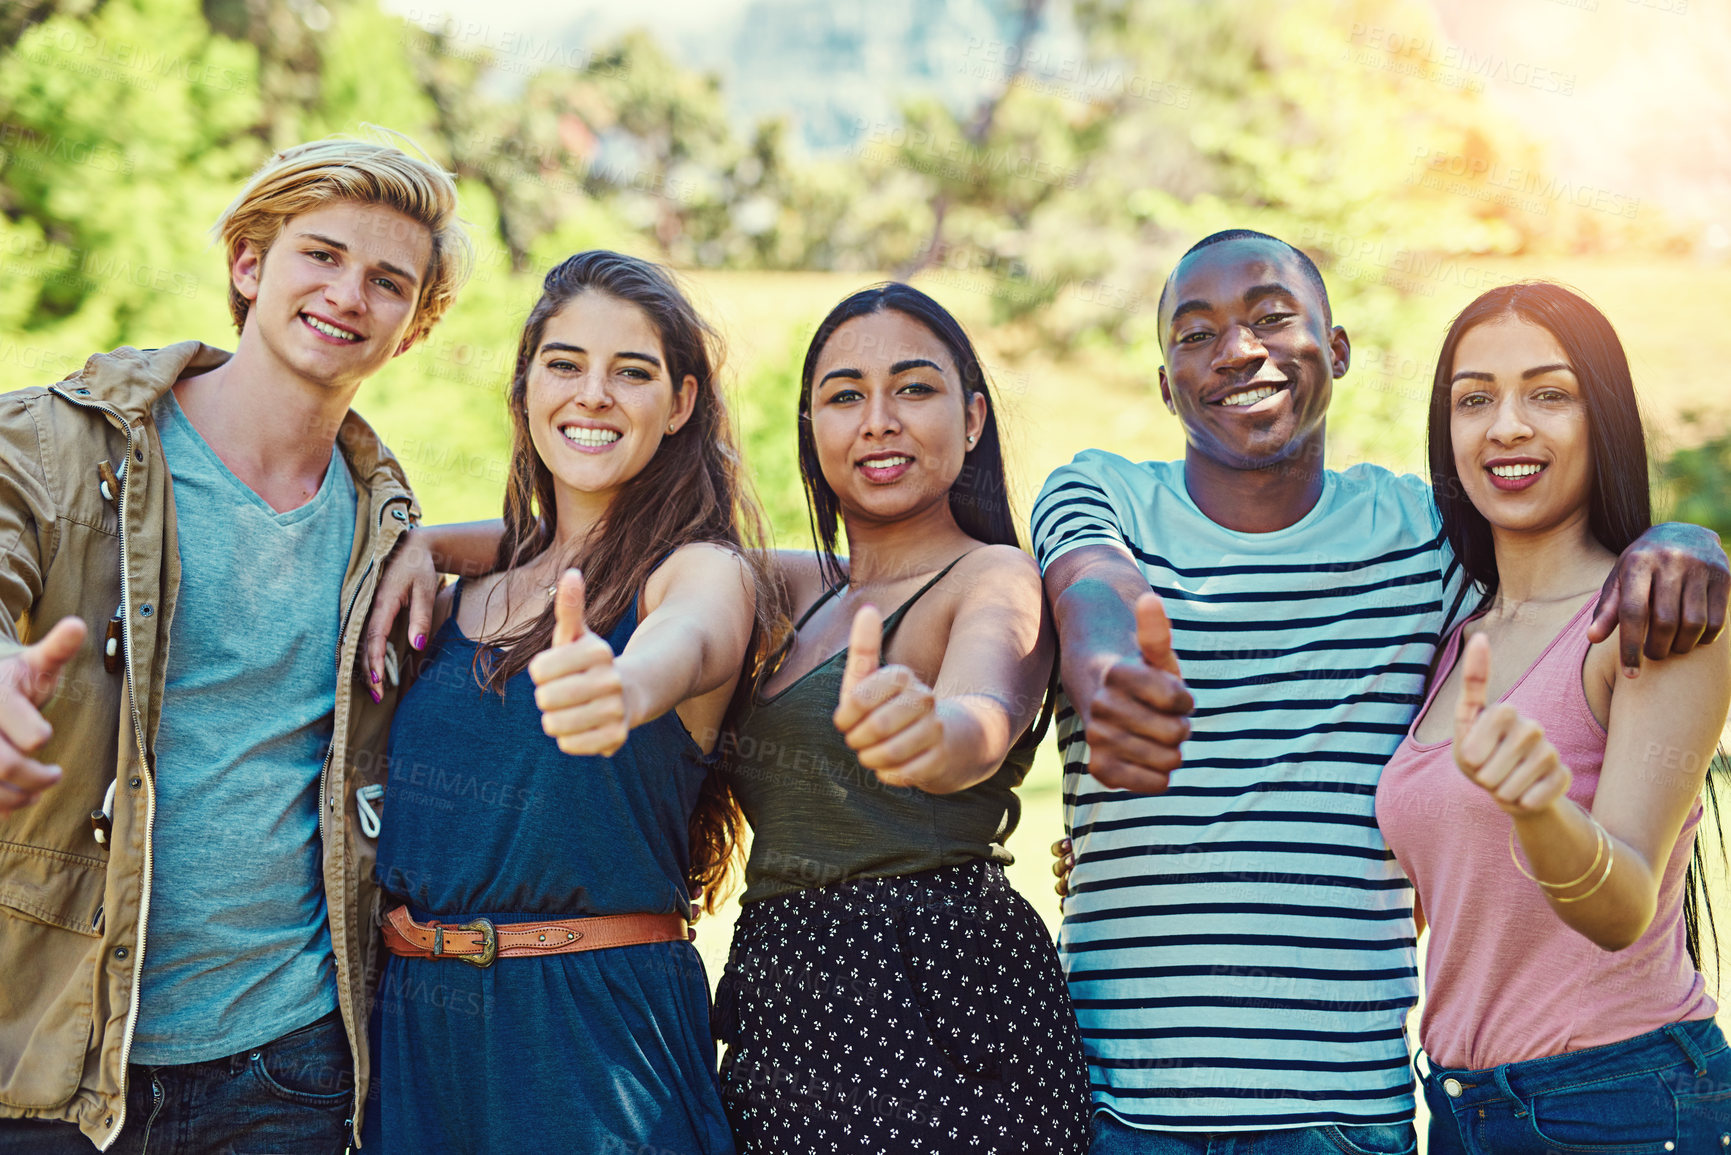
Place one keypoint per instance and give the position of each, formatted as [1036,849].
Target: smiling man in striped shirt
[1239,941]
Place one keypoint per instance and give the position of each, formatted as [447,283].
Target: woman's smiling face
[890,417]
[599,396]
[1518,420]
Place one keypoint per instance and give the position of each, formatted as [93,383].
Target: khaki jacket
[74,912]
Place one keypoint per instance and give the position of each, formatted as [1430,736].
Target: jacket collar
[132,380]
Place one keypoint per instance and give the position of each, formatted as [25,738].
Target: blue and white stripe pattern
[1240,949]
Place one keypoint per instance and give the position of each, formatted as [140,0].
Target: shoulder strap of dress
[895,619]
[822,598]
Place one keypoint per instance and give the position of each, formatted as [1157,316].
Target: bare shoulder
[1706,666]
[1094,560]
[699,561]
[999,569]
[800,572]
[703,569]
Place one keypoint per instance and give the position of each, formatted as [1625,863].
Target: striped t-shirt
[1240,949]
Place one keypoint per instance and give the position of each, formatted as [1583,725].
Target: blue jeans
[1665,1092]
[289,1096]
[1114,1138]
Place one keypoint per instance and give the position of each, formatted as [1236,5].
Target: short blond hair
[309,176]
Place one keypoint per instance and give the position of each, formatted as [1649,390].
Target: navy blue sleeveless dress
[486,818]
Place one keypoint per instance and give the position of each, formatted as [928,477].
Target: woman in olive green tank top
[887,989]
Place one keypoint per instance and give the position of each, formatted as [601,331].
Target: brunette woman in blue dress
[550,804]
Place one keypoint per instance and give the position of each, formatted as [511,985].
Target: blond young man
[185,890]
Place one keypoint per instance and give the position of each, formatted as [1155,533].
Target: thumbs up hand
[27,682]
[887,715]
[1139,716]
[577,684]
[1498,749]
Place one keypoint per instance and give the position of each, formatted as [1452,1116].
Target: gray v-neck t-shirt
[237,947]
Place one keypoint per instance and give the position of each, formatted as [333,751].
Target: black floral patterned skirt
[922,1012]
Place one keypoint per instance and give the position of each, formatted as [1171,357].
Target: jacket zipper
[330,750]
[143,758]
[143,762]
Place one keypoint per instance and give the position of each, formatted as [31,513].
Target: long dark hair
[1619,507]
[1619,504]
[980,498]
[692,490]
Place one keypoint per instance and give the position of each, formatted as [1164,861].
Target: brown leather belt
[479,942]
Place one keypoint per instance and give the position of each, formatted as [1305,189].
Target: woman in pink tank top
[1545,802]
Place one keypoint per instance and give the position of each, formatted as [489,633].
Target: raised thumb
[1475,673]
[1154,634]
[43,660]
[568,623]
[864,646]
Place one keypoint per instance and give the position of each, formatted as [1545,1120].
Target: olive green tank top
[819,818]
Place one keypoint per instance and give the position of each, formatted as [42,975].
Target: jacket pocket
[49,904]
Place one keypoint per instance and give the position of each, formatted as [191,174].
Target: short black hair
[1307,266]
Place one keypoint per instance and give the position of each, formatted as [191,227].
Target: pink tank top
[1505,979]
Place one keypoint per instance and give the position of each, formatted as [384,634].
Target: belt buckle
[489,943]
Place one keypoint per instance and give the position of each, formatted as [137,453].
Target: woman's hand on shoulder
[1499,750]
[578,687]
[409,580]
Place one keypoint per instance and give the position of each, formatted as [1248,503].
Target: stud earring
[970,439]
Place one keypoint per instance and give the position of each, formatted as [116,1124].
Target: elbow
[1615,940]
[1621,934]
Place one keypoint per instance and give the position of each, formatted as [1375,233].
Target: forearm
[1562,844]
[661,667]
[976,742]
[469,548]
[1096,628]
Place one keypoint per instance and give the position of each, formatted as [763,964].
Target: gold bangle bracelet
[1601,839]
[1610,861]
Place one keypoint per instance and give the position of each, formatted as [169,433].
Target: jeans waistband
[1689,1043]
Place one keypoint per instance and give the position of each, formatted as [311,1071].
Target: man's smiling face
[1251,354]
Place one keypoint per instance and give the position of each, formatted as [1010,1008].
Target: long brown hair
[1619,503]
[692,490]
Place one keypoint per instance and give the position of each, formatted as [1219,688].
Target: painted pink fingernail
[420,641]
[375,675]
[377,697]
